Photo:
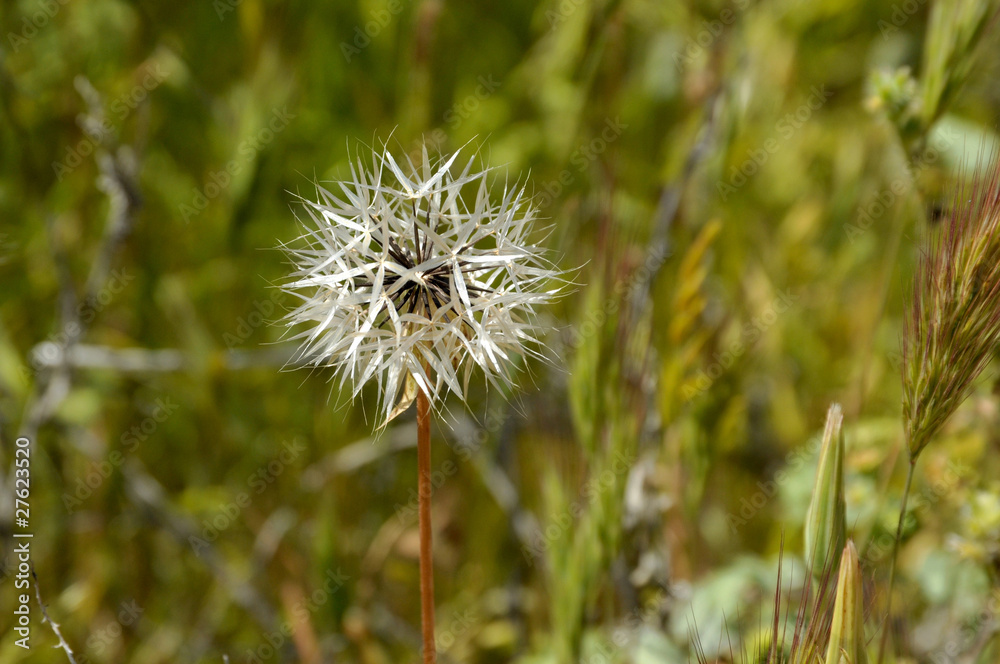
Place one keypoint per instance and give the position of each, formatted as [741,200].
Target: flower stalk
[952,326]
[895,555]
[411,276]
[424,489]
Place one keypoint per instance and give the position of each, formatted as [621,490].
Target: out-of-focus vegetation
[747,187]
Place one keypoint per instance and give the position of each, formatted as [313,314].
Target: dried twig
[52,623]
[667,207]
[118,166]
[145,492]
[118,179]
[49,354]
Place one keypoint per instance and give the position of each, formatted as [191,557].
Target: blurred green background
[746,186]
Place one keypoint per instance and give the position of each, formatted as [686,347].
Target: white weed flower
[413,276]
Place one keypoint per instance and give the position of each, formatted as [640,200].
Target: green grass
[746,210]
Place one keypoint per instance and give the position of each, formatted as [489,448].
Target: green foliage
[745,189]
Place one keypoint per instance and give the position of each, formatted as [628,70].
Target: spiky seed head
[826,528]
[410,276]
[847,631]
[953,322]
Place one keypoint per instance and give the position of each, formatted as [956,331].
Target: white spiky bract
[411,277]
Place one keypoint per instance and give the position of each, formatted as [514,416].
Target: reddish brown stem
[424,492]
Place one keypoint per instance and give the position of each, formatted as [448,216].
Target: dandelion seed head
[413,276]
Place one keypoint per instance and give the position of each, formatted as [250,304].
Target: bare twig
[119,168]
[357,455]
[667,207]
[49,354]
[144,491]
[505,493]
[52,623]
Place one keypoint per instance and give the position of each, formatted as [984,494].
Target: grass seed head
[953,323]
[848,644]
[825,528]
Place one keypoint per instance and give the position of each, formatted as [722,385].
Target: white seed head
[413,276]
